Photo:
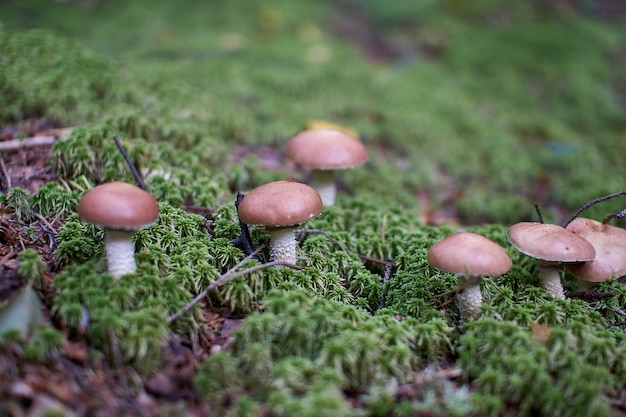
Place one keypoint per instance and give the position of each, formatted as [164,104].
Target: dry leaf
[540,331]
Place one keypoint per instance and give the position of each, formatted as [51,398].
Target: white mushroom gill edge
[120,252]
[283,245]
[550,275]
[324,183]
[469,297]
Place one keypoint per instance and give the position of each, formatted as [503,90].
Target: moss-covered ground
[472,112]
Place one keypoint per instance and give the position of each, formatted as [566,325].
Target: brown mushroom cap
[609,243]
[280,204]
[469,253]
[326,149]
[118,206]
[549,242]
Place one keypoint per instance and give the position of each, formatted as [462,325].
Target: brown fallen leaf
[540,331]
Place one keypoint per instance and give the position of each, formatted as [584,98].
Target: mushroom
[470,256]
[121,209]
[326,150]
[609,243]
[279,207]
[552,246]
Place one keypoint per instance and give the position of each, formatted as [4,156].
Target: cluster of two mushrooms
[593,252]
[609,243]
[281,206]
[122,208]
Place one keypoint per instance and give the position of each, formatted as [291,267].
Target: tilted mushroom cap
[325,149]
[119,206]
[549,242]
[469,253]
[610,246]
[280,204]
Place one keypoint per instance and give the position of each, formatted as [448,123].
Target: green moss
[46,75]
[198,98]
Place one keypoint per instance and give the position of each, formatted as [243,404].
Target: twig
[229,276]
[538,210]
[247,258]
[443,294]
[16,145]
[445,303]
[132,166]
[244,241]
[618,215]
[46,223]
[376,261]
[386,277]
[589,295]
[617,311]
[591,203]
[5,173]
[324,233]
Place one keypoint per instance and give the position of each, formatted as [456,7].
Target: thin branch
[324,233]
[538,210]
[386,277]
[5,173]
[16,145]
[229,276]
[443,294]
[589,295]
[46,223]
[592,203]
[130,164]
[244,241]
[618,215]
[445,303]
[247,258]
[617,311]
[376,261]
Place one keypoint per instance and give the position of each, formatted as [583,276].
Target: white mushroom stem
[283,244]
[324,183]
[468,296]
[120,251]
[550,275]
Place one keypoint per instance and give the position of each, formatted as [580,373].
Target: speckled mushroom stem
[550,275]
[120,252]
[283,245]
[324,183]
[468,296]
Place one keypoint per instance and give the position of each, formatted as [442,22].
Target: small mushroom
[609,243]
[279,207]
[121,209]
[470,256]
[326,150]
[552,246]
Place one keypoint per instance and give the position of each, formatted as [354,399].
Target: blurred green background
[472,110]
